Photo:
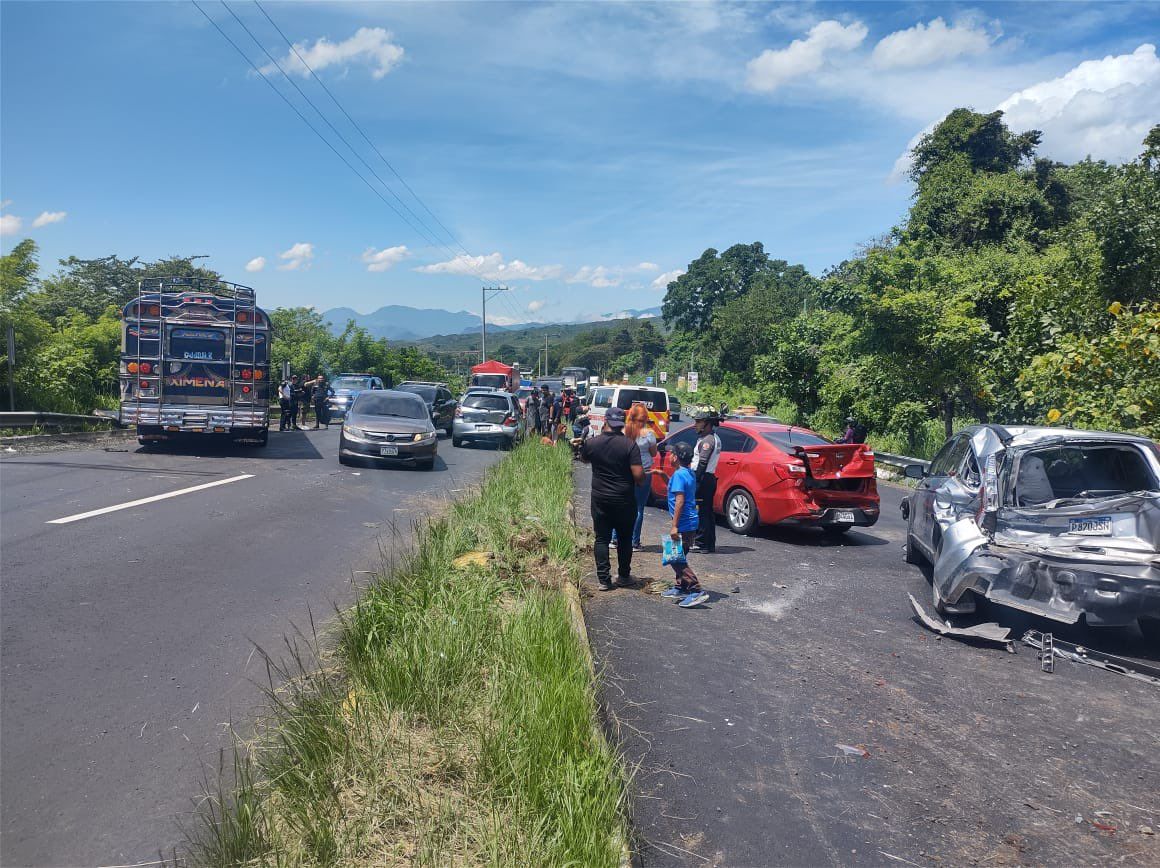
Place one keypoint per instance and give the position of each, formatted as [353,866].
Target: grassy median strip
[452,723]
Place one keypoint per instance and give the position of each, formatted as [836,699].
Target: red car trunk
[838,461]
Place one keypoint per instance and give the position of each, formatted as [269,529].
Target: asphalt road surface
[128,635]
[732,717]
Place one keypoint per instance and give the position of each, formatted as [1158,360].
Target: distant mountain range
[397,322]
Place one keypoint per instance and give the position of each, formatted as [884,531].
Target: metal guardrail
[50,420]
[897,461]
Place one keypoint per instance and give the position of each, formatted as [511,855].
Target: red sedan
[771,473]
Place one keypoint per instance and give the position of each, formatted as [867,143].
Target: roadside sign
[648,381]
[286,370]
[664,376]
[692,381]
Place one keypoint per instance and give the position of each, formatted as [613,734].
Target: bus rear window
[655,401]
[198,344]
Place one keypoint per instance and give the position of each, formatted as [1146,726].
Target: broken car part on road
[989,632]
[1055,522]
[1080,654]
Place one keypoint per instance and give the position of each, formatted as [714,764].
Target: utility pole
[483,324]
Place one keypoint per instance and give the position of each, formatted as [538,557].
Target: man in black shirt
[616,471]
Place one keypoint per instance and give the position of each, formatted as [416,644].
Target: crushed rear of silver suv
[487,417]
[1057,522]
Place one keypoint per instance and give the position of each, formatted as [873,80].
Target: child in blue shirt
[683,509]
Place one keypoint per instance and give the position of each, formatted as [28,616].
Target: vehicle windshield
[655,401]
[382,404]
[427,393]
[485,402]
[787,441]
[198,344]
[350,383]
[496,381]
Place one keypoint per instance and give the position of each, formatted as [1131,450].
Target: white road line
[71,518]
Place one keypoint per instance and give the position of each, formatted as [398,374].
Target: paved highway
[128,635]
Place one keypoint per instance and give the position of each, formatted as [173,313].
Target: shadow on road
[817,538]
[283,446]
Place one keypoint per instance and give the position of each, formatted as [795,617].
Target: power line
[301,116]
[425,233]
[355,124]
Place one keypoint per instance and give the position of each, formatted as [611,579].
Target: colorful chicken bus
[195,360]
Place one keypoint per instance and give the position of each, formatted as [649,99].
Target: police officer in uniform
[705,456]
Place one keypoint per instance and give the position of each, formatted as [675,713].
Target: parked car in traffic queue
[1058,522]
[346,388]
[782,474]
[440,402]
[391,426]
[488,417]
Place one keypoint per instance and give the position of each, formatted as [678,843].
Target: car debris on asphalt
[1099,659]
[989,632]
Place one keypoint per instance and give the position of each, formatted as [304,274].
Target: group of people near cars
[549,414]
[623,457]
[296,398]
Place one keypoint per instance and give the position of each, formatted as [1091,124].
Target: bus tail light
[245,390]
[131,367]
[247,373]
[146,368]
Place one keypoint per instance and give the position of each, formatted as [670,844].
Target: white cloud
[535,306]
[492,267]
[598,276]
[372,46]
[47,217]
[773,68]
[648,266]
[382,260]
[924,44]
[10,224]
[5,203]
[297,257]
[1101,107]
[663,281]
[256,264]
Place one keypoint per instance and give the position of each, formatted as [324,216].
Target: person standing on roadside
[637,429]
[532,413]
[704,466]
[284,393]
[544,416]
[616,470]
[321,396]
[295,399]
[683,510]
[559,408]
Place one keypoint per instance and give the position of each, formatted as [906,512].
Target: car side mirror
[915,471]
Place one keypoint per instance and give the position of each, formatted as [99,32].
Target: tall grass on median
[452,720]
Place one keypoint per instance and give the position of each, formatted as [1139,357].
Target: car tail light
[243,317]
[245,390]
[146,368]
[132,367]
[510,420]
[247,373]
[144,385]
[868,453]
[796,469]
[258,375]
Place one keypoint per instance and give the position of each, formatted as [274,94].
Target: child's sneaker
[673,593]
[694,599]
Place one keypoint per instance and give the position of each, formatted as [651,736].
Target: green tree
[710,282]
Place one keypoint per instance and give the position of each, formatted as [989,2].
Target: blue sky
[578,152]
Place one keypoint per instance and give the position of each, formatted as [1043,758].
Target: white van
[655,400]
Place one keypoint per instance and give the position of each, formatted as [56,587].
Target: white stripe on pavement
[153,499]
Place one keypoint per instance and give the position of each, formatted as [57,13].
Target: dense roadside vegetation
[68,331]
[1016,289]
[453,721]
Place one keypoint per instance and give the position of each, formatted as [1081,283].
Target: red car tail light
[796,469]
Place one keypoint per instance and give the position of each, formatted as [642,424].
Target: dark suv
[439,400]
